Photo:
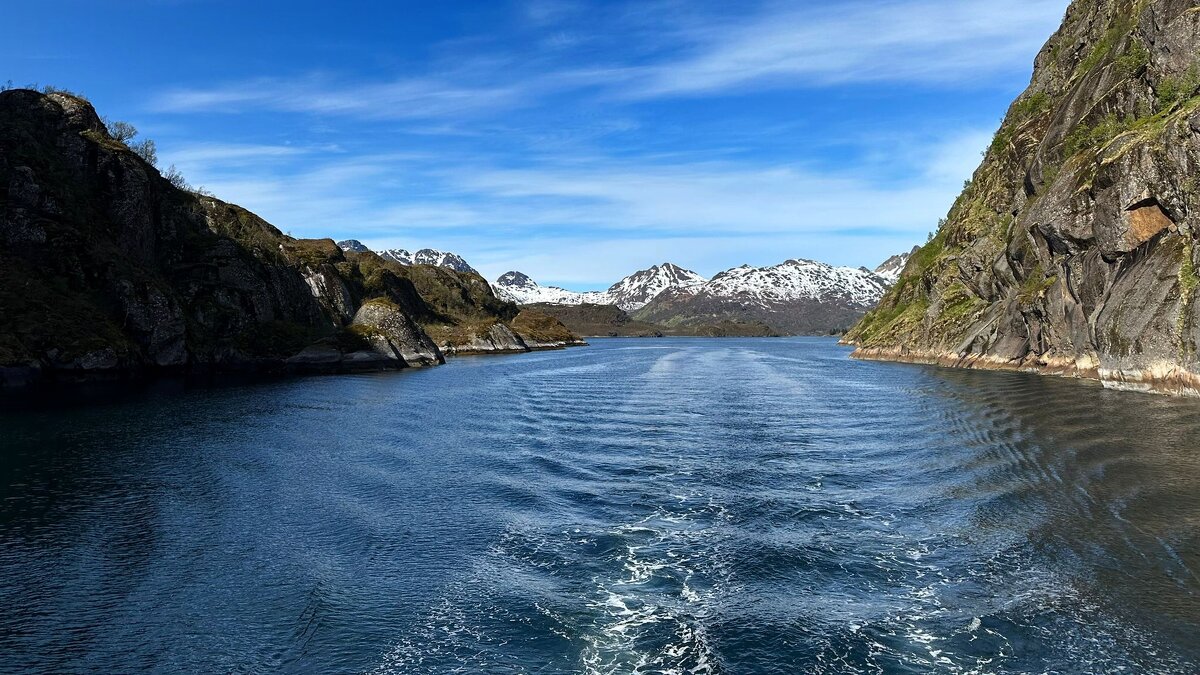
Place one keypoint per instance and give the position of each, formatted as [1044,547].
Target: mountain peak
[636,290]
[516,279]
[353,245]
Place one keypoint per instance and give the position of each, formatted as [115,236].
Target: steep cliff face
[105,266]
[1072,250]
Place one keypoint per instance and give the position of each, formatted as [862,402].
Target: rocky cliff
[108,268]
[1073,248]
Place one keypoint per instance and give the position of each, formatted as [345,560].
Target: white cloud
[692,54]
[400,99]
[833,43]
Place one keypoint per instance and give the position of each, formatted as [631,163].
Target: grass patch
[1035,286]
[1177,89]
[312,252]
[1135,58]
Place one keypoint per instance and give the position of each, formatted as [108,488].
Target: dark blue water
[638,506]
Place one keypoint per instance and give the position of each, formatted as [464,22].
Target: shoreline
[16,379]
[1165,379]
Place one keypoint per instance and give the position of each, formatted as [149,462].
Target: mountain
[636,290]
[425,256]
[795,297]
[1073,248]
[630,293]
[109,269]
[353,246]
[889,270]
[428,256]
[519,288]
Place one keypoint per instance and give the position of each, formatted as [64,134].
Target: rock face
[393,334]
[105,267]
[1073,249]
[353,246]
[796,297]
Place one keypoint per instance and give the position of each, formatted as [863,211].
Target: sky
[573,140]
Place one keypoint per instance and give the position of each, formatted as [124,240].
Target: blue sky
[575,141]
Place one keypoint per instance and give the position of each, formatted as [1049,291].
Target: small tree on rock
[120,131]
[146,150]
[176,178]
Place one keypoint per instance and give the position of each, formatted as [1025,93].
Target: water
[639,506]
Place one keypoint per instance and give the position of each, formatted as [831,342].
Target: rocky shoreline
[323,362]
[1166,379]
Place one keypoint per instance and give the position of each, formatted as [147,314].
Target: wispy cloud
[926,41]
[401,99]
[694,54]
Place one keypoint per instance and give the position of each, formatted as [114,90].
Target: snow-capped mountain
[797,280]
[425,256]
[638,289]
[630,293]
[797,297]
[353,245]
[519,288]
[891,268]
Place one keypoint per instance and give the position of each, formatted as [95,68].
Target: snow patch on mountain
[427,256]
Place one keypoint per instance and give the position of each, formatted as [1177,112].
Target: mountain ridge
[425,256]
[824,297]
[630,293]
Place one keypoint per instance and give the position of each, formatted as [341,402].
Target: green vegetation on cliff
[1063,246]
